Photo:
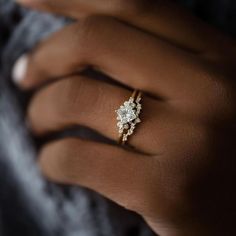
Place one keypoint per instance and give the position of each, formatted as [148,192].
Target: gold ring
[128,116]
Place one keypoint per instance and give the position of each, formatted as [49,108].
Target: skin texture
[184,184]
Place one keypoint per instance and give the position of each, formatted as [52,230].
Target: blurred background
[29,205]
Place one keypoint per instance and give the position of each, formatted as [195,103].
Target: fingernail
[19,69]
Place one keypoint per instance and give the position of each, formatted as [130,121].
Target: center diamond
[126,114]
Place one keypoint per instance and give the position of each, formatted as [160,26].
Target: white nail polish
[19,69]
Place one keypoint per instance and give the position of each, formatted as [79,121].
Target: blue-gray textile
[29,205]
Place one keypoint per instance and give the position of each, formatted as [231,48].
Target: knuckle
[93,26]
[78,96]
[90,31]
[95,35]
[65,94]
[71,91]
[89,26]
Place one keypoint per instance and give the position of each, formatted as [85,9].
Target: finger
[163,18]
[118,51]
[87,102]
[124,177]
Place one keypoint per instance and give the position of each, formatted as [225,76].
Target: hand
[184,184]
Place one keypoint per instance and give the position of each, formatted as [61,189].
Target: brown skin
[185,185]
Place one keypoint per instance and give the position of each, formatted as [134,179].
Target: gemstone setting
[128,117]
[126,113]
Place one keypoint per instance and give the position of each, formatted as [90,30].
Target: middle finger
[126,54]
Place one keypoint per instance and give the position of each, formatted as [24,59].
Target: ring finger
[87,102]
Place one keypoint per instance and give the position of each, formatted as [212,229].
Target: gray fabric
[29,205]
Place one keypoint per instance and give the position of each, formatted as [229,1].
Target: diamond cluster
[128,117]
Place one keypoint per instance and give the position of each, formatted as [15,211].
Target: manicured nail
[19,69]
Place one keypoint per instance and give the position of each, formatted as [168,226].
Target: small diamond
[131,100]
[126,126]
[139,106]
[132,105]
[132,125]
[126,114]
[130,132]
